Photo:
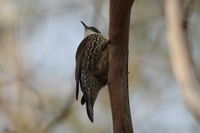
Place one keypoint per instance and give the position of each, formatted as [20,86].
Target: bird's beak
[86,27]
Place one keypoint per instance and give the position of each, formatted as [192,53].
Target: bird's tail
[89,105]
[89,108]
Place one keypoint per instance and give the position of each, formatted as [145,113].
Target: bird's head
[89,30]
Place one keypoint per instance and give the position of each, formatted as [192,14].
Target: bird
[91,71]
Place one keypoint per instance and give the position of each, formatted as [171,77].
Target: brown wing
[79,55]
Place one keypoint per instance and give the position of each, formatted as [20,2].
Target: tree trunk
[120,11]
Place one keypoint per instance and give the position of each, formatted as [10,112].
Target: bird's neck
[88,32]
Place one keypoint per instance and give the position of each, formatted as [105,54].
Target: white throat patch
[88,32]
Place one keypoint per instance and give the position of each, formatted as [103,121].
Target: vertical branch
[180,55]
[118,65]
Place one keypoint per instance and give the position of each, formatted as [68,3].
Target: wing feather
[79,55]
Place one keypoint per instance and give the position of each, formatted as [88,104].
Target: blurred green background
[38,41]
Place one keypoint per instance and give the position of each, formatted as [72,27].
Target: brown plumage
[91,68]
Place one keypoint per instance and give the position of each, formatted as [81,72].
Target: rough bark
[181,57]
[118,65]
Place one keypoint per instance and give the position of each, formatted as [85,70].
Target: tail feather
[89,98]
[89,108]
[83,100]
